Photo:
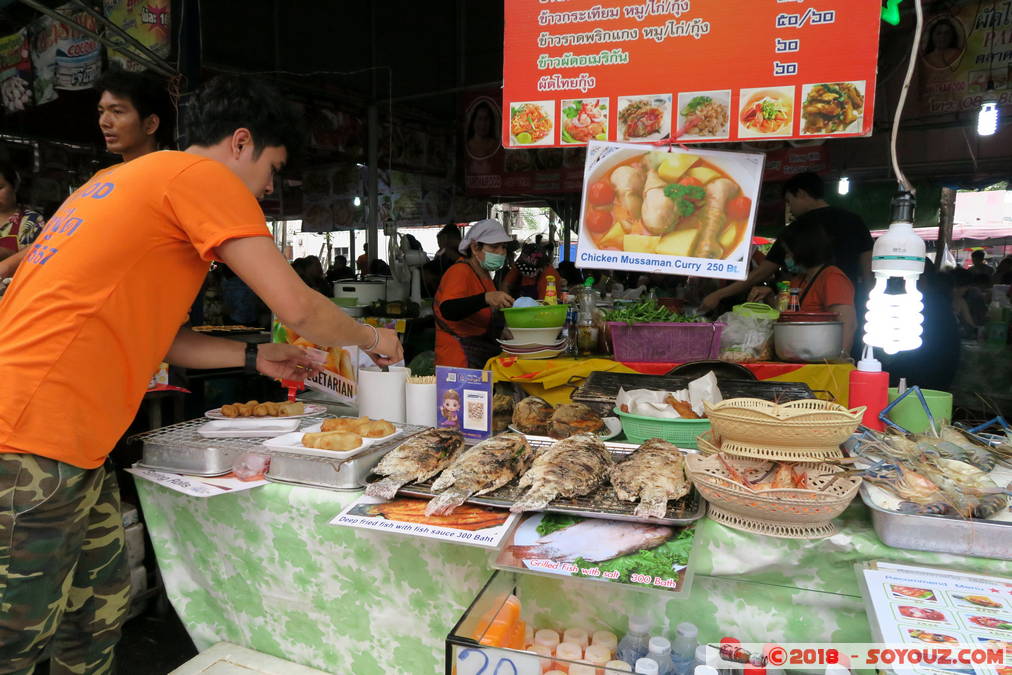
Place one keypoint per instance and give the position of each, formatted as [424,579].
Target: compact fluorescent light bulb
[893,320]
[843,187]
[987,119]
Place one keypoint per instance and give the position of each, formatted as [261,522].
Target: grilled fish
[570,419]
[653,474]
[569,468]
[531,416]
[417,459]
[485,467]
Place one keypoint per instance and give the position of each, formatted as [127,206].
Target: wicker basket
[681,432]
[708,444]
[771,528]
[830,496]
[806,423]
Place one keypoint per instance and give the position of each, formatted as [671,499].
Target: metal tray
[180,449]
[940,534]
[601,503]
[601,387]
[310,469]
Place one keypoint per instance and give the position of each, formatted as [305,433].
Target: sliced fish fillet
[485,467]
[415,460]
[654,474]
[569,468]
[594,540]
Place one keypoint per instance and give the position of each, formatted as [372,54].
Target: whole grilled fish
[417,459]
[569,468]
[485,467]
[653,474]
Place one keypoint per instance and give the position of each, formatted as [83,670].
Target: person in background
[1003,273]
[448,239]
[851,242]
[339,270]
[528,277]
[310,270]
[19,225]
[379,267]
[241,306]
[467,323]
[362,262]
[572,275]
[823,287]
[134,116]
[85,324]
[979,266]
[967,304]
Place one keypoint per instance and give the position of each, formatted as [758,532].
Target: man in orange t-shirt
[98,302]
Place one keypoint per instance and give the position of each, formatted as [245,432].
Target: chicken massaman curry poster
[668,210]
[687,70]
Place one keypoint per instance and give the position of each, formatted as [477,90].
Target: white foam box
[135,544]
[226,658]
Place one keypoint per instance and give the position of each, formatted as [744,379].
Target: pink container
[665,342]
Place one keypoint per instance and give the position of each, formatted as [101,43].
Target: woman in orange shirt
[467,324]
[529,276]
[823,287]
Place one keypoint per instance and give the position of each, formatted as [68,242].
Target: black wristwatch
[251,359]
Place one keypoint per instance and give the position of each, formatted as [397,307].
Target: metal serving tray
[601,503]
[940,534]
[312,469]
[180,449]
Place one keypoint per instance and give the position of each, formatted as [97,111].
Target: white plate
[293,441]
[520,344]
[543,354]
[311,409]
[318,427]
[258,427]
[613,426]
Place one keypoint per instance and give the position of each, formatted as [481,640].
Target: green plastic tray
[681,432]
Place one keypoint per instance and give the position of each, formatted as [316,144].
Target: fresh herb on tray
[655,562]
[648,311]
[553,522]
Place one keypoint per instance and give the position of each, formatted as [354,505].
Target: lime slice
[524,137]
[601,136]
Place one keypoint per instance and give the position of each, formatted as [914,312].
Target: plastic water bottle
[702,653]
[635,644]
[646,666]
[683,650]
[660,651]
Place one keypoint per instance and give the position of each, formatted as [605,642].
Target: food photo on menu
[704,114]
[532,123]
[766,112]
[832,108]
[584,120]
[644,118]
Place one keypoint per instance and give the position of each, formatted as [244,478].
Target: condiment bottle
[795,302]
[545,654]
[577,635]
[683,650]
[783,296]
[869,386]
[568,651]
[620,666]
[605,638]
[660,651]
[548,638]
[646,666]
[634,644]
[597,654]
[582,669]
[551,296]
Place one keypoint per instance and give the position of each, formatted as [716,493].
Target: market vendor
[19,225]
[529,275]
[467,323]
[95,307]
[822,286]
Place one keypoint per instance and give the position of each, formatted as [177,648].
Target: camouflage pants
[63,570]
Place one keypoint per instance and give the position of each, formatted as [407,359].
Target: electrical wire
[900,176]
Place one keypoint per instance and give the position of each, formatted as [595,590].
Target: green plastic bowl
[681,432]
[545,316]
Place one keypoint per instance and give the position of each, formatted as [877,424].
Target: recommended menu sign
[671,211]
[687,70]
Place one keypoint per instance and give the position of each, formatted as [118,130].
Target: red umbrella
[759,241]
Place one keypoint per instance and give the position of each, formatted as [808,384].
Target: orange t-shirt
[97,302]
[831,287]
[460,281]
[513,281]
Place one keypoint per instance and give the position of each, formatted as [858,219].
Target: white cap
[701,653]
[868,362]
[605,638]
[686,629]
[705,670]
[488,231]
[597,654]
[646,666]
[659,645]
[639,624]
[618,665]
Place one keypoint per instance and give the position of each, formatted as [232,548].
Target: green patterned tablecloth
[266,570]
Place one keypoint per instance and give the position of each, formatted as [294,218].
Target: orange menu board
[687,71]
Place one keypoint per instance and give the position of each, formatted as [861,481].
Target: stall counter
[264,569]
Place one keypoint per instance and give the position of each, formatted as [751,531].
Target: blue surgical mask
[793,267]
[493,261]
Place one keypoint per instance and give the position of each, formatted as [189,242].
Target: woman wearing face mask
[467,323]
[19,226]
[823,287]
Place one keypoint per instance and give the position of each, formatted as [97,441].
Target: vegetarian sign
[670,211]
[687,70]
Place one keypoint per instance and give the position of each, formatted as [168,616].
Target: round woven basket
[831,493]
[681,432]
[707,444]
[805,423]
[771,528]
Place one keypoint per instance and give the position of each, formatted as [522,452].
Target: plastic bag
[251,466]
[746,338]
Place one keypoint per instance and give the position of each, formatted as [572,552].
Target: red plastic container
[665,342]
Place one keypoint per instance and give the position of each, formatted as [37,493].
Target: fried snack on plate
[245,409]
[230,410]
[340,441]
[341,423]
[291,408]
[375,428]
[261,410]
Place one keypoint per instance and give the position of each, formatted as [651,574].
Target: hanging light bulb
[357,201]
[893,320]
[843,187]
[987,118]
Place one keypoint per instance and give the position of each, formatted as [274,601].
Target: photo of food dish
[644,118]
[673,203]
[996,644]
[832,108]
[704,114]
[931,638]
[584,119]
[765,112]
[925,614]
[978,601]
[913,593]
[992,622]
[532,123]
[406,510]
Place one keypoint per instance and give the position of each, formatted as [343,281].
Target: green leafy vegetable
[553,522]
[695,104]
[655,562]
[573,109]
[684,197]
[647,311]
[771,109]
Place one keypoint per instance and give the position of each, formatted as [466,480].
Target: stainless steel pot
[808,342]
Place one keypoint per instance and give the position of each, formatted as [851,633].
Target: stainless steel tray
[941,534]
[291,467]
[601,503]
[180,449]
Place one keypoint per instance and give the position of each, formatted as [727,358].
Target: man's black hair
[230,102]
[978,256]
[148,95]
[809,182]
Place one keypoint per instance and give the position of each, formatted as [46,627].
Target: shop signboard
[687,70]
[147,21]
[464,401]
